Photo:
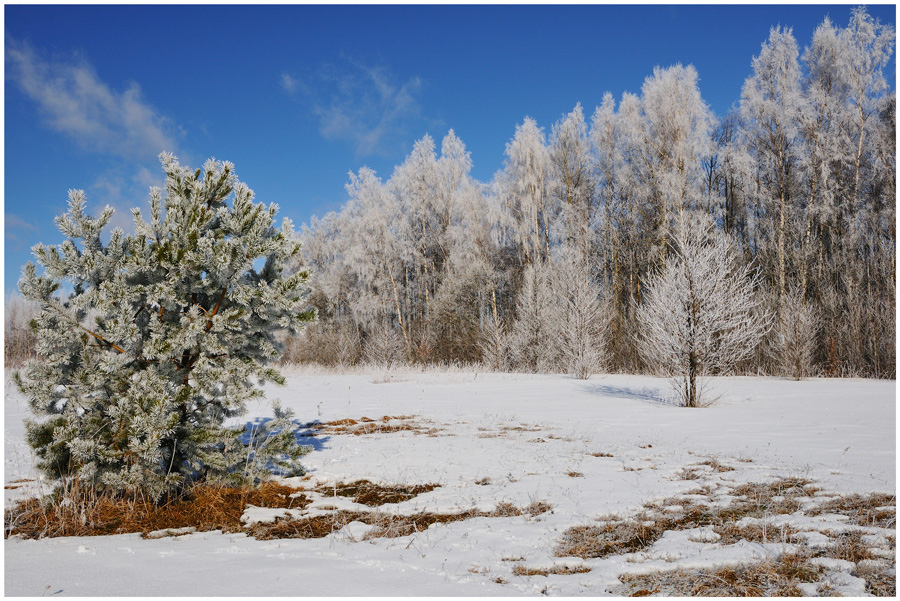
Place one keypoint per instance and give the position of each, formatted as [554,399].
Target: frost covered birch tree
[771,105]
[527,188]
[801,176]
[700,315]
[573,181]
[164,335]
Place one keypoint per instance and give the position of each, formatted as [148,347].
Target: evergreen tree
[164,335]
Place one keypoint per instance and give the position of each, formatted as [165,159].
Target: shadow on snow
[645,394]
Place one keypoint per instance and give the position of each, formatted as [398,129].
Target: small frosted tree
[796,335]
[531,343]
[164,335]
[699,314]
[578,321]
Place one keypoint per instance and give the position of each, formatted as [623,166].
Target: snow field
[591,448]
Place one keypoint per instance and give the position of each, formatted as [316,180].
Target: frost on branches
[699,314]
[164,335]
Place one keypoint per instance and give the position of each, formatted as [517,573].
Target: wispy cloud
[365,105]
[15,229]
[289,83]
[75,102]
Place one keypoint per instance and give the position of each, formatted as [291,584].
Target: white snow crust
[488,438]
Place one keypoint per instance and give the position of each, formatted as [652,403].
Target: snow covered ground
[588,448]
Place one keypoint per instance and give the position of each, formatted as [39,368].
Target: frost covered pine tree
[699,314]
[165,334]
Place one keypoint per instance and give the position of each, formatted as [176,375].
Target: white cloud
[364,105]
[75,102]
[289,83]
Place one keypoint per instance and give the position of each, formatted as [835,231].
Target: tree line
[546,267]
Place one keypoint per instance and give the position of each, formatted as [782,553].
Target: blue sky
[298,96]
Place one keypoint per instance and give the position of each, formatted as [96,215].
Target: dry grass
[614,536]
[536,508]
[716,466]
[777,577]
[873,510]
[779,496]
[880,581]
[849,547]
[774,577]
[598,454]
[388,424]
[521,570]
[374,495]
[13,485]
[689,473]
[383,525]
[505,509]
[85,513]
[765,532]
[318,526]
[522,428]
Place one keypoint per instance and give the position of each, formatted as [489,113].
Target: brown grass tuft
[505,510]
[374,495]
[616,536]
[777,577]
[384,525]
[716,466]
[881,581]
[388,424]
[873,510]
[521,570]
[731,533]
[86,513]
[536,508]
